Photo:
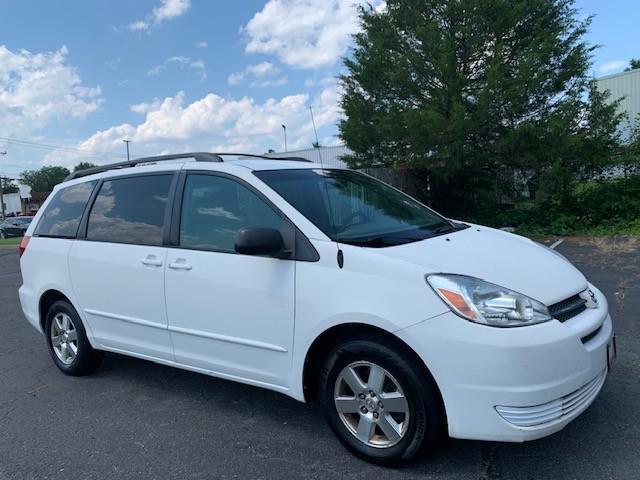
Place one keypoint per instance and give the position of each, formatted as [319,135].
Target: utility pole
[127,142]
[284,129]
[2,190]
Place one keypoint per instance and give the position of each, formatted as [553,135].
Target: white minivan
[323,284]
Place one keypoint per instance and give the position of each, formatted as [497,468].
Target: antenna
[340,256]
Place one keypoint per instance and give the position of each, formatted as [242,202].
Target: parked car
[322,284]
[14,227]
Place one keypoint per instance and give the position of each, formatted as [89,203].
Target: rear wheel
[380,405]
[67,341]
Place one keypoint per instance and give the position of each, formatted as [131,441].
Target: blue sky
[180,75]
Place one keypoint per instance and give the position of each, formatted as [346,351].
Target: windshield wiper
[447,228]
[377,241]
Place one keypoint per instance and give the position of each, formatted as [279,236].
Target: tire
[415,430]
[72,353]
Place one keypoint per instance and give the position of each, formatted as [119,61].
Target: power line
[45,146]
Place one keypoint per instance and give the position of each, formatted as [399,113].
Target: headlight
[483,302]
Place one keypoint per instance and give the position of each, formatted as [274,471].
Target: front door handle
[152,261]
[180,264]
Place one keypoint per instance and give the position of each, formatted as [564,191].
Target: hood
[498,257]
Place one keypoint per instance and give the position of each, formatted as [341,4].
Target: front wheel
[67,341]
[378,402]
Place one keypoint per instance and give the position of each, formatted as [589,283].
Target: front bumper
[514,384]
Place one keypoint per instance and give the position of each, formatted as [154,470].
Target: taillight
[23,244]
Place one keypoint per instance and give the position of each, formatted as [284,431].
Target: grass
[10,241]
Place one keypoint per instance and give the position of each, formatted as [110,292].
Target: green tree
[634,64]
[8,186]
[44,179]
[472,91]
[84,166]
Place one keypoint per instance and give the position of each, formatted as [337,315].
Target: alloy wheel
[64,338]
[371,404]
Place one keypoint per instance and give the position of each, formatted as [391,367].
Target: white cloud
[304,33]
[612,66]
[196,65]
[212,123]
[37,89]
[145,107]
[261,69]
[167,10]
[278,82]
[235,78]
[202,45]
[258,70]
[322,82]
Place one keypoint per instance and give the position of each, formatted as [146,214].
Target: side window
[215,208]
[130,210]
[62,216]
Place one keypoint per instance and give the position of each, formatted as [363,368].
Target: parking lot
[135,419]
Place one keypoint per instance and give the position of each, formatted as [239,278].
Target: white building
[331,156]
[624,86]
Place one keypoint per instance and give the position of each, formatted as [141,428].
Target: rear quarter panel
[44,266]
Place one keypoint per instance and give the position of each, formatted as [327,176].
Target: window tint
[215,208]
[62,216]
[130,210]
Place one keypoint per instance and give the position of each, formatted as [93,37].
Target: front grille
[568,308]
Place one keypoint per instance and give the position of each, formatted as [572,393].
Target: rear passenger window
[214,209]
[130,210]
[63,213]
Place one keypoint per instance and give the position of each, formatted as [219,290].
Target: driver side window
[214,208]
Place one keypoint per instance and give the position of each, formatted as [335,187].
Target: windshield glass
[350,207]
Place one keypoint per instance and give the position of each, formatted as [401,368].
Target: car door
[11,229]
[117,268]
[228,313]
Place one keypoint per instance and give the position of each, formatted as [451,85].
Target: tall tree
[44,179]
[634,64]
[469,92]
[8,186]
[83,166]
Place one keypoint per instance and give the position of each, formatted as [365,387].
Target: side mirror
[259,241]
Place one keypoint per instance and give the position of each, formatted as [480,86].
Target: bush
[600,207]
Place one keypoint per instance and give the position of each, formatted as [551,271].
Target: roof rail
[266,157]
[197,156]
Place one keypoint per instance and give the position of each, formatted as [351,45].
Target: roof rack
[267,157]
[197,156]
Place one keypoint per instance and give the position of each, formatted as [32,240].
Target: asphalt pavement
[136,420]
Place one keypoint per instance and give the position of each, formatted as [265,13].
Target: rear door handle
[152,261]
[180,264]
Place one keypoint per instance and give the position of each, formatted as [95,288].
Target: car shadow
[197,395]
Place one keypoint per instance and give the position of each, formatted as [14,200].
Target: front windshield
[350,207]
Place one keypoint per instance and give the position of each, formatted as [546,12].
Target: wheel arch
[48,298]
[323,344]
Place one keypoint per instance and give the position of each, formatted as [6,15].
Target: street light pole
[127,142]
[2,190]
[284,129]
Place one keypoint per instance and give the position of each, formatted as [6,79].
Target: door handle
[180,264]
[152,261]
